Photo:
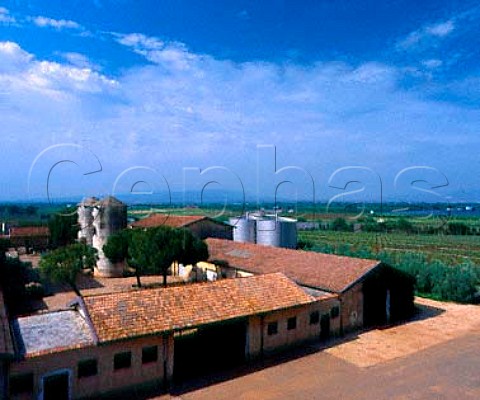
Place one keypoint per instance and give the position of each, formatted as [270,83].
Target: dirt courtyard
[434,356]
[436,323]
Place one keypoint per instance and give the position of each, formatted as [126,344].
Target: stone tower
[85,220]
[98,220]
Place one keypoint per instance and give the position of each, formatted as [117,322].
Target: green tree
[153,251]
[404,225]
[14,275]
[191,249]
[4,245]
[458,228]
[116,248]
[339,224]
[65,264]
[63,228]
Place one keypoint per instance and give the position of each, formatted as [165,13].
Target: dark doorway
[208,349]
[374,303]
[56,387]
[325,327]
[387,296]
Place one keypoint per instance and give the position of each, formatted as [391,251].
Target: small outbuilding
[202,227]
[31,237]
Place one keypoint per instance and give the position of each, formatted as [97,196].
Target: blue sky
[137,91]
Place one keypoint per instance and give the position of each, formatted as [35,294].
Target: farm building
[30,237]
[145,338]
[370,292]
[201,227]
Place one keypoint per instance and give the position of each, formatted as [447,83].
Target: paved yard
[435,356]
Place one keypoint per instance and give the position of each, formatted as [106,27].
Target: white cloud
[425,35]
[157,51]
[79,60]
[13,57]
[188,109]
[139,41]
[45,22]
[441,29]
[6,18]
[432,63]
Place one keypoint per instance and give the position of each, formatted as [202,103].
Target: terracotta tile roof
[175,221]
[21,231]
[144,312]
[6,343]
[322,271]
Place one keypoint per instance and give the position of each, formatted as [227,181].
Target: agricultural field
[451,249]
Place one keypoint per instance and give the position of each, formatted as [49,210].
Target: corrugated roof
[323,271]
[51,332]
[21,231]
[174,221]
[144,312]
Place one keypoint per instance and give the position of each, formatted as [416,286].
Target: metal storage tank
[269,232]
[244,229]
[288,232]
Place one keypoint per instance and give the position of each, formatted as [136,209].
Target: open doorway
[325,327]
[56,386]
[210,348]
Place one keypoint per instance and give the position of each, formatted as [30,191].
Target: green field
[451,249]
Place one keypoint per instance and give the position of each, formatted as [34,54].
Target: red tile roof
[144,312]
[175,221]
[22,231]
[323,271]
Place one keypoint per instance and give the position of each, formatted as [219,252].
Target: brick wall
[352,308]
[304,331]
[107,379]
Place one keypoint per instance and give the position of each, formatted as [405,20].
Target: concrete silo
[85,220]
[110,216]
[98,220]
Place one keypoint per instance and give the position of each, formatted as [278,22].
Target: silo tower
[109,217]
[85,220]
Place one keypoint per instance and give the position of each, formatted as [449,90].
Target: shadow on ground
[83,282]
[423,311]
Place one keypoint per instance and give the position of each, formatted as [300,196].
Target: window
[314,318]
[272,328]
[21,384]
[122,360]
[291,323]
[149,354]
[87,368]
[335,312]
